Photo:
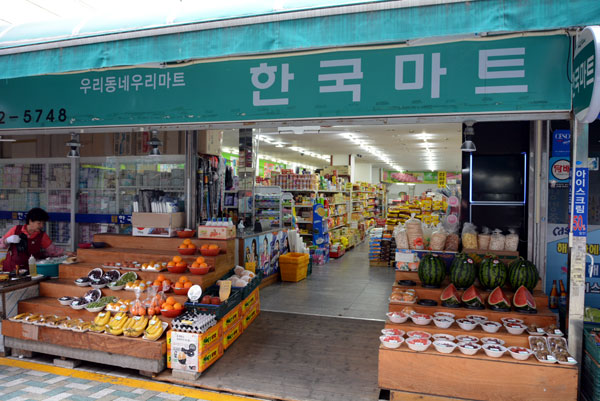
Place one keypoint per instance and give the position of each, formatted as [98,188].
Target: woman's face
[35,226]
[254,246]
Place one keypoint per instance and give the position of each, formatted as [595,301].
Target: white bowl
[477,318]
[116,287]
[421,319]
[397,317]
[96,309]
[391,341]
[77,307]
[520,353]
[442,336]
[467,324]
[515,328]
[492,340]
[490,327]
[418,344]
[469,348]
[444,314]
[463,338]
[84,284]
[98,286]
[494,350]
[65,302]
[443,322]
[511,320]
[443,346]
[418,334]
[392,332]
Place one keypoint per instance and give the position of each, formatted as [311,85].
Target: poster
[251,260]
[184,351]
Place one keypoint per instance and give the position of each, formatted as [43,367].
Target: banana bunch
[135,326]
[154,330]
[100,322]
[117,323]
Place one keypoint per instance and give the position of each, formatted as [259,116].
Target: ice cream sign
[586,95]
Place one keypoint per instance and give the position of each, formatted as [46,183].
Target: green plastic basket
[48,270]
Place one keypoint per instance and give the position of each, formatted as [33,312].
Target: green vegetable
[102,302]
[126,278]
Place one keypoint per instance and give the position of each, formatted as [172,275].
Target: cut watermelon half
[498,301]
[472,298]
[524,301]
[450,297]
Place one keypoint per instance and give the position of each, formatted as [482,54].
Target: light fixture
[155,143]
[74,146]
[299,130]
[468,145]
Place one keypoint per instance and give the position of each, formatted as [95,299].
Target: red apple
[215,301]
[206,299]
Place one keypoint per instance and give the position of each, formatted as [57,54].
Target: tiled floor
[345,287]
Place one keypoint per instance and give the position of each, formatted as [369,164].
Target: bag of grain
[469,236]
[497,240]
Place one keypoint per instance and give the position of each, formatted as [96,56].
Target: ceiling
[407,147]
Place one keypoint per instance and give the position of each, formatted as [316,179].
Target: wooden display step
[104,255]
[434,293]
[73,272]
[454,330]
[166,244]
[476,377]
[414,276]
[148,354]
[544,317]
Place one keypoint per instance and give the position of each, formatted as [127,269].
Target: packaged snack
[438,239]
[401,237]
[511,242]
[497,241]
[414,232]
[427,233]
[483,239]
[452,242]
[469,236]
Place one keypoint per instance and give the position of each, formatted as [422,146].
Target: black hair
[37,214]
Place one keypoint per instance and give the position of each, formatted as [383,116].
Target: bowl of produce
[520,353]
[94,309]
[505,320]
[469,348]
[391,341]
[490,327]
[492,340]
[418,344]
[83,282]
[418,334]
[444,314]
[515,328]
[397,317]
[65,300]
[443,322]
[186,251]
[477,318]
[210,250]
[442,336]
[466,324]
[444,346]
[466,339]
[171,312]
[494,350]
[101,283]
[199,270]
[186,233]
[421,319]
[177,268]
[79,303]
[392,332]
[115,287]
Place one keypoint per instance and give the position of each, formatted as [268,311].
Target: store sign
[518,74]
[580,195]
[561,143]
[441,179]
[586,94]
[560,170]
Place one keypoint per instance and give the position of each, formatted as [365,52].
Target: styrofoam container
[469,348]
[391,341]
[520,353]
[515,328]
[443,336]
[477,318]
[444,346]
[490,327]
[492,340]
[421,319]
[393,332]
[397,317]
[494,350]
[466,324]
[445,314]
[418,344]
[443,322]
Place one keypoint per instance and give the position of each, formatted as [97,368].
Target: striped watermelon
[524,273]
[432,270]
[457,260]
[497,299]
[463,273]
[513,264]
[492,273]
[523,300]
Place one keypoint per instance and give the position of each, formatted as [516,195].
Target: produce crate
[218,310]
[48,270]
[293,266]
[589,342]
[252,285]
[590,378]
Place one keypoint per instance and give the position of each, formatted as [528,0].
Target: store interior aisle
[344,287]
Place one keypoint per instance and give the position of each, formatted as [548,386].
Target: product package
[497,240]
[483,238]
[511,242]
[469,236]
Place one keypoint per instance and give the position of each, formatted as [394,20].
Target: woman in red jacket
[23,241]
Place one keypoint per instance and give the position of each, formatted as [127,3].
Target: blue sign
[561,143]
[103,218]
[319,225]
[580,195]
[560,170]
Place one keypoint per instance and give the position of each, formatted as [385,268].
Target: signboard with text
[580,195]
[519,74]
[586,94]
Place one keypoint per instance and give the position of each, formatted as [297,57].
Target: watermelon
[432,270]
[472,299]
[523,300]
[463,272]
[513,264]
[457,260]
[450,296]
[523,273]
[492,273]
[497,300]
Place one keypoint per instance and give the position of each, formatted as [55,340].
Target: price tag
[102,314]
[551,358]
[571,360]
[224,290]
[540,330]
[118,317]
[136,318]
[558,332]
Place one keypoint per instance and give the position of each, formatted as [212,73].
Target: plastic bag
[511,242]
[483,238]
[438,239]
[414,232]
[401,237]
[469,236]
[497,241]
[427,233]
[137,307]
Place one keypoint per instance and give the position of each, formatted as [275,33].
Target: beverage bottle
[562,298]
[32,266]
[554,296]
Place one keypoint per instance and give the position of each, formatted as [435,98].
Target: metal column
[74,204]
[191,187]
[577,245]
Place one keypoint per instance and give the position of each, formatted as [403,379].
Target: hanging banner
[561,143]
[585,92]
[441,179]
[517,74]
[580,194]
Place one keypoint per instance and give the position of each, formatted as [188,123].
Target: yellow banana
[141,323]
[152,329]
[154,336]
[102,318]
[122,322]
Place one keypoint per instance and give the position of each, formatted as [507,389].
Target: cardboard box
[210,142]
[191,360]
[230,336]
[251,315]
[231,318]
[250,300]
[209,232]
[157,224]
[200,341]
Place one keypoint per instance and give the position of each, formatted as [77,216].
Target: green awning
[213,31]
